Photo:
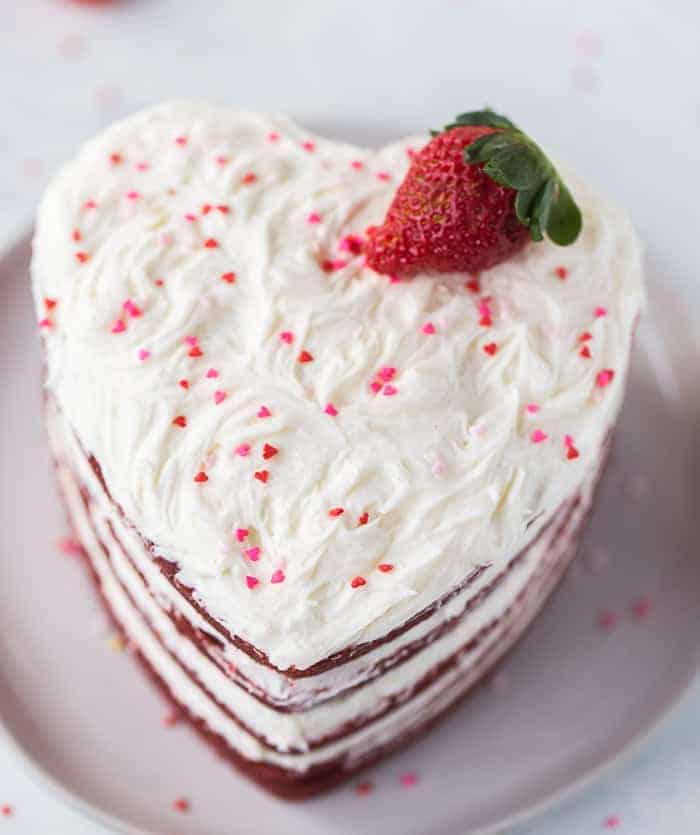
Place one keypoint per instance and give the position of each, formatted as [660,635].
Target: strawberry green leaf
[518,166]
[484,117]
[523,205]
[564,218]
[481,149]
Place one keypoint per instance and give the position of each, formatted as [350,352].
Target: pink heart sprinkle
[538,436]
[532,408]
[428,328]
[390,391]
[608,620]
[314,217]
[387,373]
[264,412]
[243,450]
[241,534]
[277,576]
[212,373]
[600,311]
[287,336]
[251,582]
[132,309]
[144,354]
[604,378]
[612,822]
[273,136]
[331,410]
[221,160]
[357,164]
[132,195]
[376,386]
[253,554]
[191,340]
[219,397]
[45,323]
[384,176]
[118,326]
[408,779]
[142,166]
[568,441]
[190,217]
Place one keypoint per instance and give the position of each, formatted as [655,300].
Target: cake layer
[346,726]
[437,632]
[217,343]
[298,773]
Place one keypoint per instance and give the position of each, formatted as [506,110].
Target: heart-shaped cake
[320,501]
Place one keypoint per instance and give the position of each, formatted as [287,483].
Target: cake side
[193,244]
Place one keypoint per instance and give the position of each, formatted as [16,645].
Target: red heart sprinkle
[336,511]
[356,582]
[185,384]
[572,453]
[229,278]
[585,352]
[82,257]
[362,520]
[473,285]
[561,273]
[269,451]
[249,178]
[491,348]
[201,477]
[385,567]
[305,356]
[181,420]
[211,243]
[49,303]
[195,351]
[262,475]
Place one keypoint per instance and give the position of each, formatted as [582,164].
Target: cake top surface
[323,450]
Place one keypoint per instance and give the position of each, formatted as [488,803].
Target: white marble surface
[611,85]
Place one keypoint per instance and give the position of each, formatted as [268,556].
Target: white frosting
[293,734]
[445,468]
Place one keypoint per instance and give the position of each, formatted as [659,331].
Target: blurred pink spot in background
[72,46]
[588,44]
[108,97]
[636,487]
[32,168]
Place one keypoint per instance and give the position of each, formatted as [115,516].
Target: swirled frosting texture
[455,401]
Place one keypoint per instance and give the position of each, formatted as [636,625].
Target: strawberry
[471,199]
